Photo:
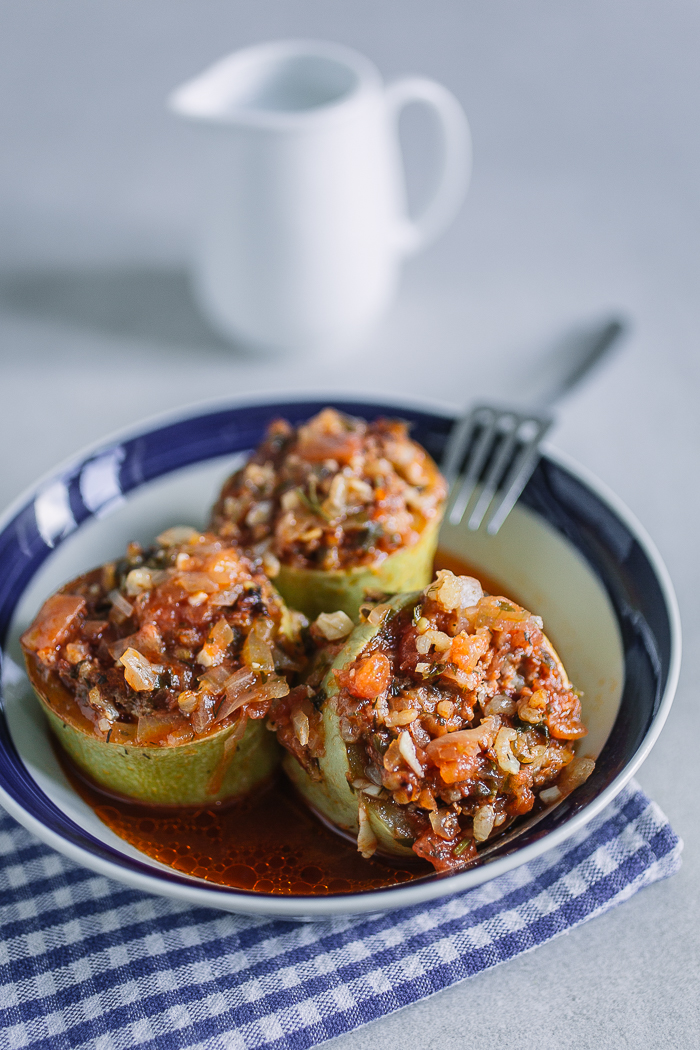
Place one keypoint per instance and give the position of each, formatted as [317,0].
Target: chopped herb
[462,847]
[313,505]
[380,743]
[368,533]
[434,671]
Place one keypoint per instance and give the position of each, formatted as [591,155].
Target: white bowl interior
[536,565]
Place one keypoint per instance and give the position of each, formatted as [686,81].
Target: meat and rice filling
[169,644]
[458,711]
[333,493]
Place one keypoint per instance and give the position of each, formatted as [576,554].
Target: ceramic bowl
[569,551]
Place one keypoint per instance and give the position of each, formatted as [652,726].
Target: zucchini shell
[192,774]
[332,796]
[313,591]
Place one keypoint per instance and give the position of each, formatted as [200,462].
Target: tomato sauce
[268,842]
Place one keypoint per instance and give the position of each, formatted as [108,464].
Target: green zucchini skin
[332,796]
[193,774]
[314,591]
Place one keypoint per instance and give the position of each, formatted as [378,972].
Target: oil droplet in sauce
[269,842]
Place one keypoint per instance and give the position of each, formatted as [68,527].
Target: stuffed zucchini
[337,509]
[156,671]
[441,719]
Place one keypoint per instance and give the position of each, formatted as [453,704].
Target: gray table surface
[584,198]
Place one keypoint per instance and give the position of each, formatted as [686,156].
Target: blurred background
[585,198]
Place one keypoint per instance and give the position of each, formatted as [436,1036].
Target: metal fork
[496,448]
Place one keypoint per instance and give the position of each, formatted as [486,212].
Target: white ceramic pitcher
[305,221]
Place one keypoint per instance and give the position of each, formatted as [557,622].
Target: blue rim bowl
[573,503]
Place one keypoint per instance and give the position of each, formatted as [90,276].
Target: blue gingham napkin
[86,962]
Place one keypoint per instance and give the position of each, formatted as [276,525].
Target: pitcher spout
[283,82]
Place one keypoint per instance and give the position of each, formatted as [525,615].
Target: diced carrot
[467,649]
[368,678]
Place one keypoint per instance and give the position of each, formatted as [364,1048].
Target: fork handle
[585,352]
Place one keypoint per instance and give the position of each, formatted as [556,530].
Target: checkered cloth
[86,962]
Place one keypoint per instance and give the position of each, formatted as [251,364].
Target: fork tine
[457,443]
[497,467]
[487,417]
[519,475]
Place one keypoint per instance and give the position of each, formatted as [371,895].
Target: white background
[585,198]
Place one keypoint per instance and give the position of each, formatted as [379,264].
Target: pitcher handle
[416,233]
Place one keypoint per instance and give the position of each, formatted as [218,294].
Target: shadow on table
[143,303]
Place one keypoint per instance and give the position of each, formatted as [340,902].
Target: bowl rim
[402,895]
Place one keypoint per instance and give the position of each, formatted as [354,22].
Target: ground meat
[170,643]
[332,493]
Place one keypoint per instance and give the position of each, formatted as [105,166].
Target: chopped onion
[504,753]
[400,718]
[407,750]
[379,613]
[139,672]
[198,598]
[445,708]
[203,715]
[533,708]
[300,722]
[156,728]
[243,687]
[256,653]
[455,592]
[578,771]
[209,655]
[367,787]
[529,754]
[141,579]
[432,639]
[76,652]
[195,582]
[214,680]
[500,705]
[334,626]
[212,653]
[444,823]
[228,597]
[187,701]
[176,535]
[271,564]
[120,603]
[148,641]
[259,513]
[239,682]
[484,820]
[450,746]
[54,621]
[366,839]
